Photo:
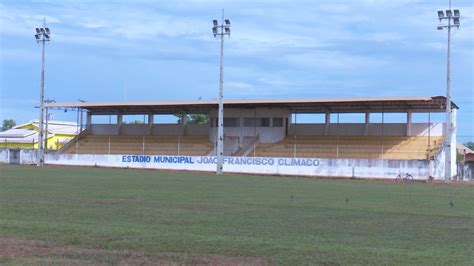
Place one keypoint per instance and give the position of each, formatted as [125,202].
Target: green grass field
[108,216]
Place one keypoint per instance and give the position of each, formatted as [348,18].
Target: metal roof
[373,104]
[17,133]
[30,138]
[54,126]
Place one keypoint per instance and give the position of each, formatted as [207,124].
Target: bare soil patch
[41,252]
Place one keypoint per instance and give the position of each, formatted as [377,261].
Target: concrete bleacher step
[414,148]
[118,144]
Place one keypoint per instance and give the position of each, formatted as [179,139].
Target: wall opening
[425,117]
[166,119]
[135,119]
[300,118]
[104,119]
[388,118]
[348,118]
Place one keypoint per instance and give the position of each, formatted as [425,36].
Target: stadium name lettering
[227,160]
[157,159]
[260,161]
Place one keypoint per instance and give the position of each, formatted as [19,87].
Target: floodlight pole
[41,118]
[221,31]
[42,36]
[449,123]
[448,107]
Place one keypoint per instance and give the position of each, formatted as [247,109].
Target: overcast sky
[161,50]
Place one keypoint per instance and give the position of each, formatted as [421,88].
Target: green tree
[7,124]
[195,118]
[198,118]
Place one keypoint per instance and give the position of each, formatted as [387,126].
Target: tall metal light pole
[42,36]
[221,30]
[452,17]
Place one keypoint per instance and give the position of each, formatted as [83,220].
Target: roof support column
[80,119]
[119,123]
[241,124]
[367,123]
[150,124]
[409,115]
[88,120]
[184,122]
[327,122]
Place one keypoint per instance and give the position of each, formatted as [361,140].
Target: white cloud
[332,60]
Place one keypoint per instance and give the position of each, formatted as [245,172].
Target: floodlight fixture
[440,27]
[47,30]
[37,30]
[227,30]
[227,22]
[456,21]
[449,13]
[456,13]
[440,14]
[215,23]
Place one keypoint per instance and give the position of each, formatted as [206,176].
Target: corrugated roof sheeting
[375,104]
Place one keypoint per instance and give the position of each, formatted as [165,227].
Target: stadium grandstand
[268,129]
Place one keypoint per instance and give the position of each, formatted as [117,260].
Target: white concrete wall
[468,171]
[28,156]
[231,145]
[421,129]
[134,129]
[4,156]
[104,129]
[392,129]
[387,169]
[437,168]
[354,129]
[167,129]
[267,134]
[307,129]
[197,129]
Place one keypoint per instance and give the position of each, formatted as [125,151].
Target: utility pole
[42,36]
[221,30]
[452,16]
[81,116]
